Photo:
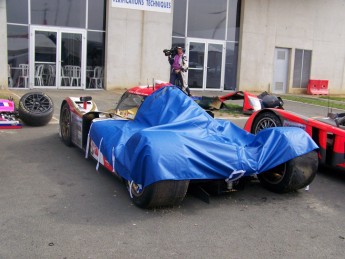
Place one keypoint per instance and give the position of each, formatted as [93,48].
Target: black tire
[291,176]
[160,194]
[35,109]
[265,120]
[65,125]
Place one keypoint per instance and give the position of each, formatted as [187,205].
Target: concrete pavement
[54,204]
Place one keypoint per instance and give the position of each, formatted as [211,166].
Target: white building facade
[247,45]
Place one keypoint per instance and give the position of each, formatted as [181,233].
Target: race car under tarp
[172,138]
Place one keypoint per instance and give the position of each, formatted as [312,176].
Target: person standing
[179,67]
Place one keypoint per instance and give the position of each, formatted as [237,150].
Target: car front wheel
[65,125]
[265,120]
[295,174]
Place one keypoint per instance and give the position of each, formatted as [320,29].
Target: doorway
[206,64]
[281,69]
[57,58]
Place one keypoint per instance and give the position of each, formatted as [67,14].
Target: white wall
[316,25]
[3,46]
[134,47]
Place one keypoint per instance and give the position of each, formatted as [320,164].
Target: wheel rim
[275,175]
[65,122]
[265,123]
[135,189]
[37,103]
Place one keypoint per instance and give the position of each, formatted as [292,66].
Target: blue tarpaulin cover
[172,138]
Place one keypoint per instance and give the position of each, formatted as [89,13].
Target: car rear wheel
[295,174]
[159,194]
[65,125]
[265,120]
[35,109]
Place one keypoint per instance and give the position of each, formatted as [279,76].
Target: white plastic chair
[38,75]
[51,75]
[24,75]
[96,81]
[64,77]
[75,75]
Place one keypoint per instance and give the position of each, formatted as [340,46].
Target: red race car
[328,133]
[132,98]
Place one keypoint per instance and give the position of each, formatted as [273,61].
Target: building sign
[163,6]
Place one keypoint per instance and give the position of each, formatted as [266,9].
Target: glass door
[72,69]
[215,66]
[196,63]
[206,64]
[43,60]
[57,58]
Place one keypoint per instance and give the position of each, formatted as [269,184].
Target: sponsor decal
[287,123]
[5,104]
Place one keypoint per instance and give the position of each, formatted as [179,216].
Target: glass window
[301,73]
[231,66]
[297,68]
[16,14]
[64,13]
[18,59]
[129,103]
[45,46]
[95,59]
[196,64]
[214,65]
[95,48]
[306,68]
[179,21]
[234,20]
[96,15]
[71,44]
[206,19]
[18,44]
[178,42]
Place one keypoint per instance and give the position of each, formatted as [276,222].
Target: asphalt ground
[54,204]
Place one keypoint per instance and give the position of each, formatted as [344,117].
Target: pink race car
[8,115]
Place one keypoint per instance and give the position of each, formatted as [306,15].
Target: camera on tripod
[170,52]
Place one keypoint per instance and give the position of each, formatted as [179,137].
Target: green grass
[316,101]
[230,109]
[335,98]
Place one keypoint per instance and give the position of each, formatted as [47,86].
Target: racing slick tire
[35,109]
[65,125]
[160,194]
[265,120]
[295,174]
